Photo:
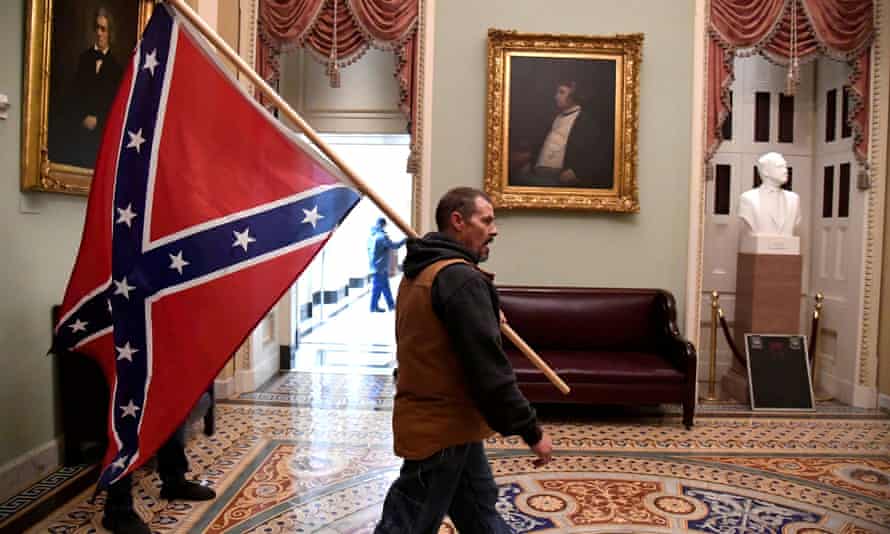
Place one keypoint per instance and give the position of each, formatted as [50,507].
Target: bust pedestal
[769,244]
[768,286]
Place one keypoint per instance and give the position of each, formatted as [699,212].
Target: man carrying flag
[202,212]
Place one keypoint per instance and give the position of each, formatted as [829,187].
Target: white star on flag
[78,326]
[136,140]
[126,215]
[242,239]
[151,61]
[109,304]
[312,216]
[120,463]
[178,262]
[126,352]
[130,409]
[123,288]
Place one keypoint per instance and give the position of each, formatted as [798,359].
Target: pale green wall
[582,249]
[648,249]
[36,255]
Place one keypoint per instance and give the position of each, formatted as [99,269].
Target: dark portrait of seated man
[577,150]
[90,96]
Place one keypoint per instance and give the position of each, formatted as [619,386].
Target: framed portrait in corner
[75,56]
[562,121]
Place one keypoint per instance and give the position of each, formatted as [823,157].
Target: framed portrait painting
[75,56]
[562,121]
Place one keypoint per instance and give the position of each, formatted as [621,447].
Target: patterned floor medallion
[283,468]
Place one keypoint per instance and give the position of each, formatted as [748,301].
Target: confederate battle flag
[203,212]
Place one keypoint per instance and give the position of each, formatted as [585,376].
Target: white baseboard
[884,402]
[865,397]
[244,381]
[267,369]
[224,388]
[247,380]
[842,390]
[28,468]
[848,392]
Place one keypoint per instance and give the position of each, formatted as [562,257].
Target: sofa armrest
[677,349]
[681,353]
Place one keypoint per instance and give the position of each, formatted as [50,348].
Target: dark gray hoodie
[466,302]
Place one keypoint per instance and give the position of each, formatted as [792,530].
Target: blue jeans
[456,481]
[380,284]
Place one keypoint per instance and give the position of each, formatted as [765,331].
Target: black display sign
[779,372]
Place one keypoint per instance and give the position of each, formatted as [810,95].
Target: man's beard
[484,252]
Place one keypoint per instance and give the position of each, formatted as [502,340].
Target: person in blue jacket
[379,245]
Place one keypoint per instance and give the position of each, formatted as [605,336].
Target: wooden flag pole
[535,359]
[223,47]
[186,11]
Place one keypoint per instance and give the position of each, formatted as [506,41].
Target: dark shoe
[125,523]
[187,490]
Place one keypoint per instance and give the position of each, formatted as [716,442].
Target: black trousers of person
[172,466]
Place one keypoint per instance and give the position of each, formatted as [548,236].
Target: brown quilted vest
[433,408]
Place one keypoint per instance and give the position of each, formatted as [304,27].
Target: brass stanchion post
[816,314]
[712,372]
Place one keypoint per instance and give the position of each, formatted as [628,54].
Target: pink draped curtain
[840,29]
[361,24]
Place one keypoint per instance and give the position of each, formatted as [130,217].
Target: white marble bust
[769,210]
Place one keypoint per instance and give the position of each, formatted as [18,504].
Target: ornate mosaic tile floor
[305,469]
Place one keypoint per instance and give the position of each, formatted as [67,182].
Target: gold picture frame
[57,44]
[578,107]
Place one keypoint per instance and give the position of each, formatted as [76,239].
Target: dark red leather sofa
[612,346]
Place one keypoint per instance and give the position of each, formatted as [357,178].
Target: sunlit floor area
[354,341]
[312,452]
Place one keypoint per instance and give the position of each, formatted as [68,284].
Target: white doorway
[336,331]
[759,123]
[837,252]
[763,120]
